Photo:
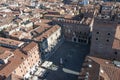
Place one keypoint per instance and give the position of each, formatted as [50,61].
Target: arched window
[75,39]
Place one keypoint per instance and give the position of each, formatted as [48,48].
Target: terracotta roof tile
[109,68]
[14,62]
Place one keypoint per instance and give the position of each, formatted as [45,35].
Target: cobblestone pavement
[72,55]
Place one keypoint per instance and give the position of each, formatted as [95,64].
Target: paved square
[72,55]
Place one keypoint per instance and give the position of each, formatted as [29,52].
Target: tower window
[97,33]
[107,40]
[96,38]
[108,33]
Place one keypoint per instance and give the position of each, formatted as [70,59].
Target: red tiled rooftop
[5,52]
[47,33]
[108,67]
[10,42]
[13,63]
[29,46]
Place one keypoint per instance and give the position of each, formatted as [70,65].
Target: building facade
[22,63]
[105,35]
[48,40]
